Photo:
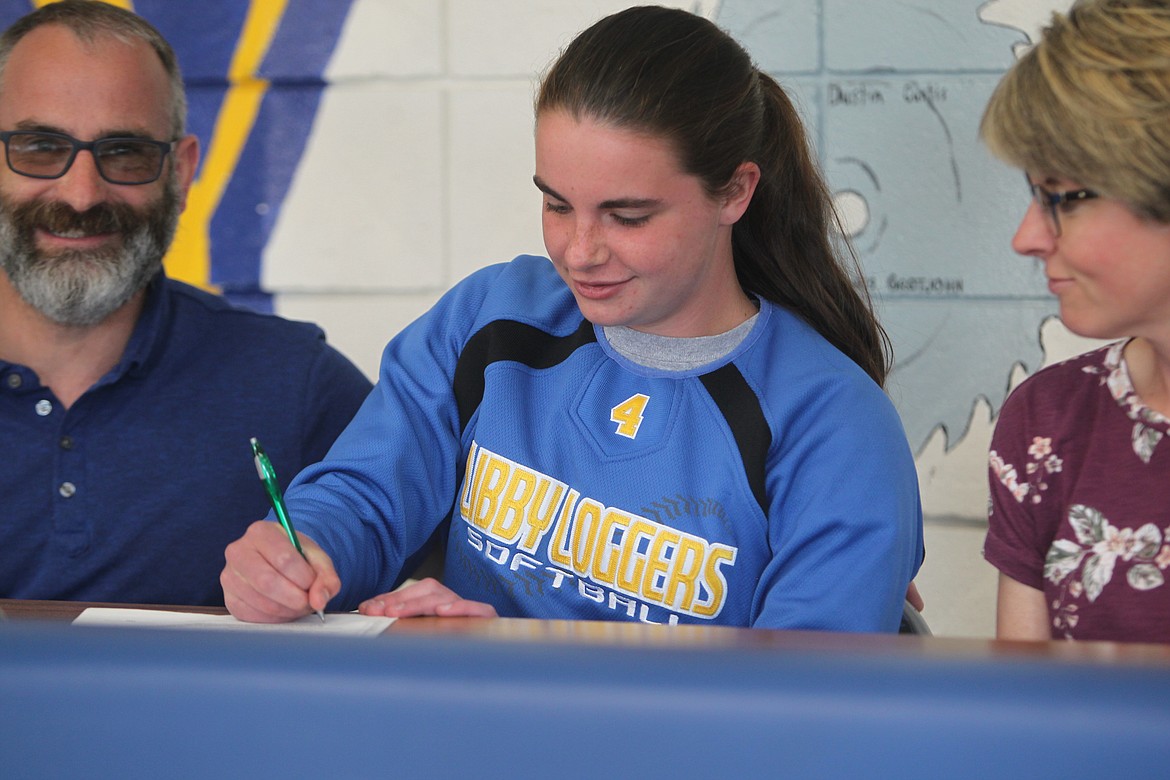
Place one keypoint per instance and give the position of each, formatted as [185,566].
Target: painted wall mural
[360,156]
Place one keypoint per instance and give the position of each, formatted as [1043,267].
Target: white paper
[345,623]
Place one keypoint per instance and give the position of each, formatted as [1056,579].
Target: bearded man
[127,399]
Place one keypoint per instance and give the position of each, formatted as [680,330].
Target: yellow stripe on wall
[190,256]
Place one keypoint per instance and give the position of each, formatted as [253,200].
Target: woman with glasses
[677,417]
[1079,523]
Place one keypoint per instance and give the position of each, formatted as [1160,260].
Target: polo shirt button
[14,381]
[44,408]
[67,489]
[66,442]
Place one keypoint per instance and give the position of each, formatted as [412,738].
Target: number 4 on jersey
[628,415]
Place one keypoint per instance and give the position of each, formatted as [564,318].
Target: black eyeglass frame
[1046,199]
[92,147]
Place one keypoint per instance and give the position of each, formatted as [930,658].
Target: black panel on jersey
[512,341]
[741,409]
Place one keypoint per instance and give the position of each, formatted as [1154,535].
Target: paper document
[344,623]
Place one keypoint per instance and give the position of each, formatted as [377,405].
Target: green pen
[268,477]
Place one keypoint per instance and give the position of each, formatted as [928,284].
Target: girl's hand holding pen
[265,579]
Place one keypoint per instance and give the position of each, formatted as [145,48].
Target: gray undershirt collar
[667,353]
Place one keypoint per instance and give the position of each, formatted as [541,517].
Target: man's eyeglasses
[1050,203]
[119,160]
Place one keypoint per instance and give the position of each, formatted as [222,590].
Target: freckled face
[1109,267]
[638,241]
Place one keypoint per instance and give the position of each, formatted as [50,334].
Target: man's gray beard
[80,288]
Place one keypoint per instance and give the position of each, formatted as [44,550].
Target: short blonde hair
[1091,102]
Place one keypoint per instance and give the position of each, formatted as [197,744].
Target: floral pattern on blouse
[1099,548]
[1081,566]
[1115,375]
[1043,462]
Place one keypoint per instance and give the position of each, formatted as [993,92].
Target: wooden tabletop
[21,609]
[637,634]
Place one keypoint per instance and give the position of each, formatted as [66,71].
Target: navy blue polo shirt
[132,494]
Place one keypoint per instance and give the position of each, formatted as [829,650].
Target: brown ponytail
[678,76]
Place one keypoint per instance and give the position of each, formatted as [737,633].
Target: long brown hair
[678,76]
